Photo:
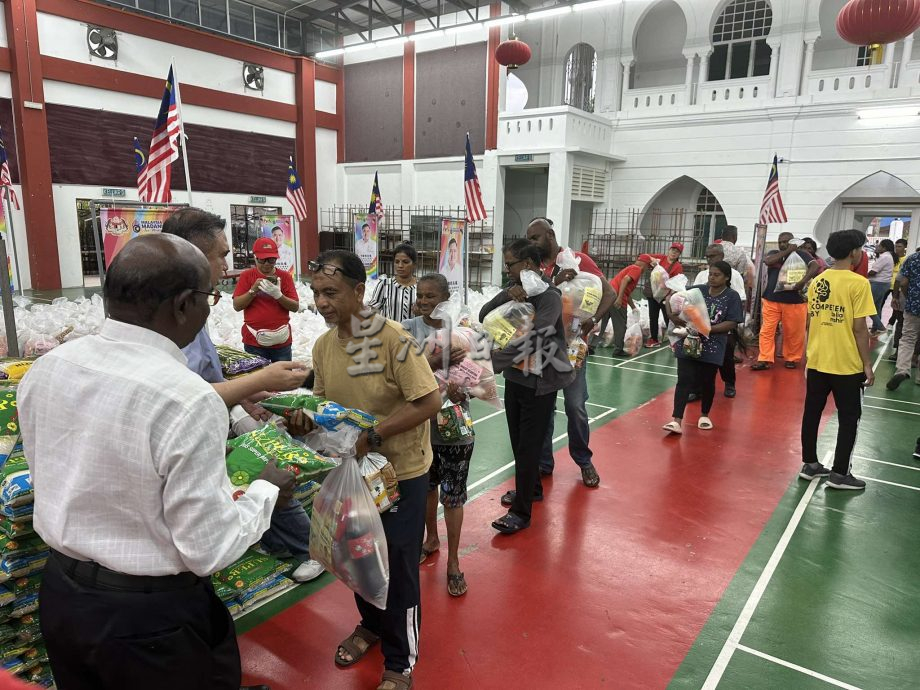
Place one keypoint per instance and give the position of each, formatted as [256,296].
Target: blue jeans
[576,395]
[272,354]
[879,293]
[289,532]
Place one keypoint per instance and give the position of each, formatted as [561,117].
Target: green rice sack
[18,546]
[15,530]
[9,414]
[7,633]
[251,569]
[8,650]
[23,565]
[252,451]
[27,627]
[25,585]
[325,413]
[26,603]
[37,654]
[6,596]
[264,589]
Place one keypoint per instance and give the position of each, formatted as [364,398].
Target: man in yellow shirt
[839,301]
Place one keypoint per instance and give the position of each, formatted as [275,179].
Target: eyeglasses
[271,261]
[329,270]
[514,263]
[213,297]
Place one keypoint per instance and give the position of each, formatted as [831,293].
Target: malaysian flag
[772,210]
[295,192]
[6,179]
[164,148]
[475,209]
[376,205]
[140,164]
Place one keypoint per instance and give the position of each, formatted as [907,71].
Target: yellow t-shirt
[835,300]
[379,385]
[898,260]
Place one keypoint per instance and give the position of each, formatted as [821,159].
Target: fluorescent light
[501,21]
[463,28]
[436,33]
[545,14]
[323,54]
[582,6]
[358,47]
[885,113]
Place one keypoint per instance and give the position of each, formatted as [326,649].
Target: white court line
[638,357]
[647,371]
[744,619]
[617,359]
[885,462]
[800,669]
[488,416]
[882,481]
[497,472]
[891,400]
[660,366]
[891,409]
[603,407]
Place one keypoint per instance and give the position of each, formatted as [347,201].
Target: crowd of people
[127,600]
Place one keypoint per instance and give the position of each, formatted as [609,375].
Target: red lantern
[512,53]
[867,22]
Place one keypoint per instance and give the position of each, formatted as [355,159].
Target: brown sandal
[350,646]
[393,680]
[456,585]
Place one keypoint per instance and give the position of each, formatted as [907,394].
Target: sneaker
[651,342]
[730,391]
[813,470]
[589,476]
[308,570]
[845,481]
[896,381]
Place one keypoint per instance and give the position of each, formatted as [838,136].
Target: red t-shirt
[862,268]
[673,269]
[587,265]
[264,312]
[634,272]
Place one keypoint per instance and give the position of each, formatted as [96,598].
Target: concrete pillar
[889,63]
[559,194]
[774,67]
[905,58]
[806,68]
[688,81]
[627,63]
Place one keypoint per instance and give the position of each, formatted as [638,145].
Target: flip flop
[456,585]
[705,423]
[673,428]
[425,554]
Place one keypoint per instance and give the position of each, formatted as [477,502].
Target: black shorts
[449,470]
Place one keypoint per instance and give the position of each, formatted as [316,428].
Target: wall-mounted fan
[102,42]
[254,76]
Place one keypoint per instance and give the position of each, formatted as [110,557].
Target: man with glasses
[131,487]
[368,362]
[266,297]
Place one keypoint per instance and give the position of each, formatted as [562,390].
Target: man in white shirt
[126,449]
[286,258]
[714,253]
[452,268]
[366,249]
[739,260]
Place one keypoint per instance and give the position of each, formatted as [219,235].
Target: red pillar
[31,138]
[305,156]
[408,94]
[495,10]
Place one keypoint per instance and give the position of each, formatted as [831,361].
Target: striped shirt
[392,300]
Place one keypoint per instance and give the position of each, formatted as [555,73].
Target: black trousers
[847,391]
[694,376]
[398,625]
[107,639]
[528,414]
[727,370]
[655,309]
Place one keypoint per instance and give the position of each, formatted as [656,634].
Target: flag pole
[182,135]
[12,236]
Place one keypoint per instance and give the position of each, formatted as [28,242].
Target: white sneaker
[308,570]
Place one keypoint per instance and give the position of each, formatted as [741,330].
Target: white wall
[659,45]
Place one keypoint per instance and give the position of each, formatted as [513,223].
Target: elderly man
[289,534]
[370,363]
[541,232]
[131,489]
[739,260]
[714,253]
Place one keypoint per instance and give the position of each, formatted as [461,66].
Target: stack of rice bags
[253,577]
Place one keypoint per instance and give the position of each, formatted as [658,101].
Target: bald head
[541,233]
[152,283]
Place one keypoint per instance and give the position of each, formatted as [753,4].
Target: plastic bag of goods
[14,369]
[380,477]
[474,374]
[693,310]
[507,322]
[251,452]
[678,283]
[347,535]
[658,281]
[792,272]
[236,362]
[581,296]
[454,422]
[577,351]
[632,340]
[324,412]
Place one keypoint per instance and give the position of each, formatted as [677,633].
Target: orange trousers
[794,318]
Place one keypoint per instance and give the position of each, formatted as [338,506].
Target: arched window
[580,77]
[739,47]
[708,221]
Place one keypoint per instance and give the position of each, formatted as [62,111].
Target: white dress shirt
[126,447]
[702,278]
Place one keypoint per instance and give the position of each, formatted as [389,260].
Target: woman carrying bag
[670,262]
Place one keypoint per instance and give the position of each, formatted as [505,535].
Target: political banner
[120,225]
[366,242]
[281,230]
[453,249]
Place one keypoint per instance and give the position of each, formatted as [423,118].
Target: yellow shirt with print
[835,299]
[379,375]
[898,260]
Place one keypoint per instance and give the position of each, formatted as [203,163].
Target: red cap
[645,258]
[265,248]
[678,246]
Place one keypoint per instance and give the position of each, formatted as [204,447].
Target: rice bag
[14,665]
[304,493]
[695,312]
[16,488]
[25,603]
[20,566]
[252,451]
[15,530]
[14,546]
[6,596]
[26,628]
[507,322]
[25,585]
[347,535]
[454,422]
[792,272]
[35,655]
[380,477]
[248,571]
[9,415]
[658,279]
[236,362]
[265,589]
[14,369]
[13,648]
[20,513]
[324,412]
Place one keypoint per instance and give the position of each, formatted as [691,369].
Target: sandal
[790,365]
[350,646]
[394,680]
[705,424]
[673,428]
[508,498]
[760,366]
[590,477]
[456,585]
[510,524]
[426,553]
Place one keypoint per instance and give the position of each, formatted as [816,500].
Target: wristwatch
[373,439]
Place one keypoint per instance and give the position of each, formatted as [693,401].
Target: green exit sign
[257,200]
[113,191]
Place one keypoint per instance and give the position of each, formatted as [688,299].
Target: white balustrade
[542,129]
[841,84]
[656,98]
[732,93]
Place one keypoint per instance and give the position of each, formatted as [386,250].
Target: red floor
[608,586]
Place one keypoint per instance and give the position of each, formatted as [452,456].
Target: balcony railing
[837,84]
[732,93]
[542,129]
[656,98]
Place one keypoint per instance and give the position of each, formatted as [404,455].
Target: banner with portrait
[120,225]
[281,230]
[453,249]
[366,242]
[757,254]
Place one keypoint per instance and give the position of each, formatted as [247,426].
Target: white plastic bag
[792,272]
[678,283]
[566,260]
[658,280]
[694,311]
[507,322]
[533,283]
[632,341]
[347,535]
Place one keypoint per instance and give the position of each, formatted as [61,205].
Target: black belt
[91,574]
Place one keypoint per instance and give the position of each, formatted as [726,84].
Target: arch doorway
[687,209]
